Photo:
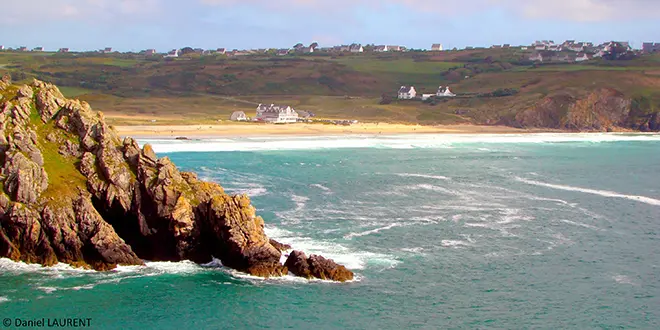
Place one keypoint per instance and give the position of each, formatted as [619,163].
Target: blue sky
[167,24]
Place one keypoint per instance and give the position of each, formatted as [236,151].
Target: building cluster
[272,113]
[650,47]
[409,93]
[572,51]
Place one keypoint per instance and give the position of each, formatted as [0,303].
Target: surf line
[604,193]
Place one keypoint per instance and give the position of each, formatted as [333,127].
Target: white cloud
[87,10]
[566,10]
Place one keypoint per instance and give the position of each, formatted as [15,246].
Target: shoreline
[304,129]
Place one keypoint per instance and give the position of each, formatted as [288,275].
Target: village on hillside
[542,51]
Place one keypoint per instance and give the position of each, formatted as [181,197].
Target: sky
[134,25]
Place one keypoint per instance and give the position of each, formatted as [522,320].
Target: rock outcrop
[316,267]
[601,110]
[72,191]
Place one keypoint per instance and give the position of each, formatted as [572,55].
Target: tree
[186,50]
[385,99]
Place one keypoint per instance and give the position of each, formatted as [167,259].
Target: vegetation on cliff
[72,191]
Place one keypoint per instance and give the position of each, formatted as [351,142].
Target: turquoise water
[459,234]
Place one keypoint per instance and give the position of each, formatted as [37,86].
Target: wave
[405,141]
[250,189]
[352,259]
[604,193]
[425,176]
[322,187]
[373,231]
[623,279]
[454,243]
[3,299]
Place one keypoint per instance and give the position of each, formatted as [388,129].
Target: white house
[356,48]
[444,92]
[150,52]
[436,47]
[2,47]
[173,53]
[536,57]
[380,49]
[276,114]
[407,93]
[581,57]
[238,116]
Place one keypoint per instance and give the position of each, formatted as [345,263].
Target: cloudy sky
[166,24]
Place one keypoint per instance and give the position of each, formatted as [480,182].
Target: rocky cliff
[599,110]
[72,191]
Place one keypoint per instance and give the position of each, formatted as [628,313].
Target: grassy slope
[136,90]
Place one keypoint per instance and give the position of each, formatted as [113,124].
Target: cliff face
[72,191]
[600,110]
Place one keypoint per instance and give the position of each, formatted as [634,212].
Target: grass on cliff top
[64,178]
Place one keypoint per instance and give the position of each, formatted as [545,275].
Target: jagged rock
[70,149]
[654,122]
[317,266]
[25,91]
[5,82]
[22,236]
[297,264]
[281,247]
[49,100]
[122,203]
[26,180]
[233,221]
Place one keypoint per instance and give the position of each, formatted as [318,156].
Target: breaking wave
[404,141]
[604,193]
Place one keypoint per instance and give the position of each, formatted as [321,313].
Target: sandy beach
[246,130]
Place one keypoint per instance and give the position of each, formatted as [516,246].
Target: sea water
[442,231]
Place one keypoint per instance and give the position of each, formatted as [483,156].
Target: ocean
[442,231]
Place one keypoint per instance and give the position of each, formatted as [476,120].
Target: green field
[134,89]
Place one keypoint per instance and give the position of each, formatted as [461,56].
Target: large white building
[444,92]
[276,114]
[407,93]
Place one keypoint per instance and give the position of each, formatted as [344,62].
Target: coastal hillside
[72,191]
[493,87]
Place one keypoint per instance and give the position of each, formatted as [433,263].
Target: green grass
[398,66]
[578,67]
[70,92]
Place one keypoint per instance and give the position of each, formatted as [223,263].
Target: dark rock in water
[74,192]
[297,264]
[317,266]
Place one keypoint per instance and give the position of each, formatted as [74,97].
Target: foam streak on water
[604,193]
[382,142]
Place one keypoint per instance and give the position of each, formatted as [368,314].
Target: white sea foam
[8,265]
[3,299]
[425,176]
[346,256]
[579,224]
[623,279]
[454,243]
[322,187]
[604,193]
[250,189]
[373,231]
[405,141]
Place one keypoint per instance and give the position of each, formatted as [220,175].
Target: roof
[405,89]
[436,45]
[273,108]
